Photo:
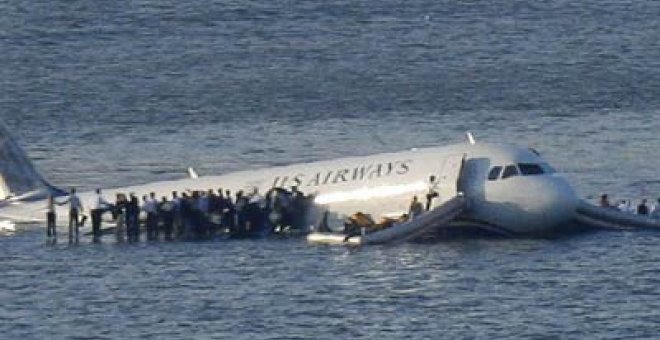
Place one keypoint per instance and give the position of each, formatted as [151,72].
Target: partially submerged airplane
[504,189]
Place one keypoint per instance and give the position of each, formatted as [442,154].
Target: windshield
[494,173]
[510,171]
[528,169]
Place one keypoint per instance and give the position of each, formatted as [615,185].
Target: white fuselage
[384,184]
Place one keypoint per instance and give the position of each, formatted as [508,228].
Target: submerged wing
[611,218]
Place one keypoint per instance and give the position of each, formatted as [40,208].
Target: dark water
[125,92]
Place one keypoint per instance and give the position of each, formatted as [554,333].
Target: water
[110,94]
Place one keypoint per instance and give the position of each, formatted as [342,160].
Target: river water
[117,93]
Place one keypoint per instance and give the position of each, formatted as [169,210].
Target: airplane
[508,189]
[504,189]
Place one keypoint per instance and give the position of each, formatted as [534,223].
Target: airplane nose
[560,201]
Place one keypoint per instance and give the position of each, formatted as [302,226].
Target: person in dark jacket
[228,212]
[166,214]
[119,213]
[187,215]
[51,217]
[99,207]
[642,208]
[132,219]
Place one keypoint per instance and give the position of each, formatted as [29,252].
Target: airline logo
[356,174]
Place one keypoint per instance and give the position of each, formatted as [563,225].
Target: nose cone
[557,202]
[529,204]
[546,202]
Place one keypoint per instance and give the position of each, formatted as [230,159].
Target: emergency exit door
[448,180]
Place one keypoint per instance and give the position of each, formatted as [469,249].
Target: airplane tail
[19,180]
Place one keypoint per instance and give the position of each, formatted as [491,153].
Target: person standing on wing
[75,208]
[120,211]
[101,205]
[51,228]
[656,211]
[149,206]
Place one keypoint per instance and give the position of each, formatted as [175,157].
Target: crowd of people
[624,205]
[187,215]
[202,214]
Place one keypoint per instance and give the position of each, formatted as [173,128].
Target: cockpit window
[494,173]
[510,171]
[547,168]
[529,169]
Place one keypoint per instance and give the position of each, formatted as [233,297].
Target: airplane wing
[611,218]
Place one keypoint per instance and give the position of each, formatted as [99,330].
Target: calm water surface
[112,94]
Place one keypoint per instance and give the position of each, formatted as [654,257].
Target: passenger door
[448,179]
[473,176]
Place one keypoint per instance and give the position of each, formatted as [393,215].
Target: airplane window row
[525,169]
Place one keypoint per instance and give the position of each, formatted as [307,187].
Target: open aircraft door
[447,185]
[471,181]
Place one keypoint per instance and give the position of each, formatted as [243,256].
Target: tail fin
[19,180]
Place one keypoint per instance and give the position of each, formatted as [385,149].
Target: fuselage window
[494,173]
[510,171]
[529,169]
